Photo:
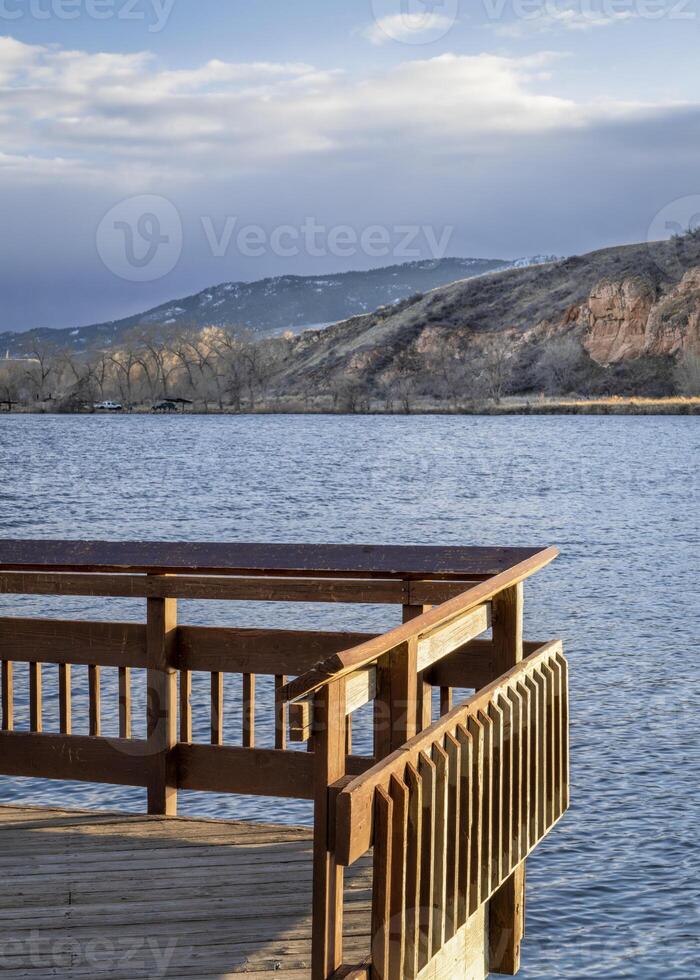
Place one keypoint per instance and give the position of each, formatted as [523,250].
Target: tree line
[230,370]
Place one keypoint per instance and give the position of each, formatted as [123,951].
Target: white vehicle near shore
[107,407]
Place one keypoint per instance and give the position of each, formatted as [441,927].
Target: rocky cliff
[621,306]
[631,317]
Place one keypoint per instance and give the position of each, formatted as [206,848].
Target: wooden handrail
[336,673]
[354,804]
[233,587]
[373,561]
[455,812]
[203,648]
[347,661]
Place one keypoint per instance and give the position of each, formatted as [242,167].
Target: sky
[151,148]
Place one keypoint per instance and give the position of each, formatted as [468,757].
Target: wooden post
[424,691]
[507,907]
[396,703]
[329,766]
[402,706]
[161,626]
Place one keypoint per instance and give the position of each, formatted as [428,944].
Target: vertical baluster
[64,699]
[35,698]
[565,728]
[413,871]
[534,772]
[487,808]
[281,714]
[445,700]
[454,842]
[517,794]
[398,791]
[94,694]
[381,888]
[558,760]
[8,699]
[249,711]
[496,716]
[476,730]
[464,829]
[424,703]
[550,739]
[507,799]
[440,873]
[426,769]
[186,706]
[217,709]
[526,756]
[125,702]
[348,735]
[542,752]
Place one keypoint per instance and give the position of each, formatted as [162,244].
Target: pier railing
[452,807]
[456,810]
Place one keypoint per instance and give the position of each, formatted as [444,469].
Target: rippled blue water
[615,891]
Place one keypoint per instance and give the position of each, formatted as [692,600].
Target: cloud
[483,142]
[126,117]
[408,27]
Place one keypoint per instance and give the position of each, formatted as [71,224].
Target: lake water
[615,891]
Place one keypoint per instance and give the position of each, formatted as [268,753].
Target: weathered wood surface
[443,616]
[451,820]
[129,897]
[217,558]
[232,587]
[543,675]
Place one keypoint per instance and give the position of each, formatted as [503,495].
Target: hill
[614,313]
[268,306]
[621,321]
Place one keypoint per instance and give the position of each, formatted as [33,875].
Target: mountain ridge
[272,305]
[617,305]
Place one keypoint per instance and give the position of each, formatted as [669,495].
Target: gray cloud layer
[482,143]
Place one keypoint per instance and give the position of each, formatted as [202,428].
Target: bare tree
[126,364]
[557,367]
[41,371]
[233,364]
[408,368]
[158,360]
[496,366]
[99,369]
[11,375]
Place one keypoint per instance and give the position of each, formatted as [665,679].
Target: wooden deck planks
[128,897]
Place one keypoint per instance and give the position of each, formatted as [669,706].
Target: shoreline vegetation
[542,405]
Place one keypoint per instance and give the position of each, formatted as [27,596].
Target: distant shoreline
[509,406]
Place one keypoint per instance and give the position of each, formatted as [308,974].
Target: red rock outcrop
[627,319]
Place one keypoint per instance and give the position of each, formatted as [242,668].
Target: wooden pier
[415,866]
